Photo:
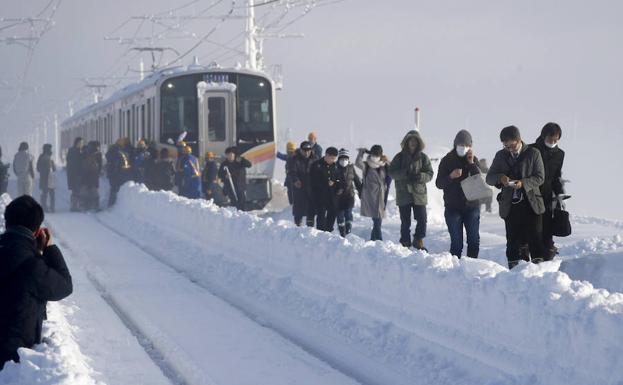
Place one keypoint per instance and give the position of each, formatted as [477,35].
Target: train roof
[155,79]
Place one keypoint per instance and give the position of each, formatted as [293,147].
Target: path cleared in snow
[200,338]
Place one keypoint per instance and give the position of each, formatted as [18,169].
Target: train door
[217,117]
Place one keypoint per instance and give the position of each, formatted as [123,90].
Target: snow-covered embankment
[379,311]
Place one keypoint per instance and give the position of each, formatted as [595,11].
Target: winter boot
[406,244]
[342,228]
[418,244]
[348,227]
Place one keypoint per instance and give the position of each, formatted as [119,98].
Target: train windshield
[254,122]
[179,108]
[254,110]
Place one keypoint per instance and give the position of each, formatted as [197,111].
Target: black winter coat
[160,174]
[27,281]
[453,196]
[91,169]
[238,171]
[75,157]
[298,171]
[553,159]
[320,174]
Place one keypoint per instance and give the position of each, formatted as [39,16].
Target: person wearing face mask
[375,187]
[460,213]
[298,172]
[32,272]
[518,171]
[412,170]
[324,182]
[348,182]
[553,158]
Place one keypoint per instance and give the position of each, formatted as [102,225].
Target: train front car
[219,109]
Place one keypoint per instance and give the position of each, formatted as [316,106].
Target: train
[212,107]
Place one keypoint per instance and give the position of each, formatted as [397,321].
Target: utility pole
[251,40]
[417,118]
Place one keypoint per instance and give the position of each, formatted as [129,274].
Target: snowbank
[393,314]
[57,361]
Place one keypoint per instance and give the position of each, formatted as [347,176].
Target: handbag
[475,188]
[561,226]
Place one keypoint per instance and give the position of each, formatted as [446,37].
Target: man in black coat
[32,272]
[298,173]
[234,171]
[553,158]
[75,158]
[324,182]
[456,166]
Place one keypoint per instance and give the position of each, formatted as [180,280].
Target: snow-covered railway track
[193,336]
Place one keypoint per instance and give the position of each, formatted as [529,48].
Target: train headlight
[261,84]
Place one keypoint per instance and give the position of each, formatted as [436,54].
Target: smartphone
[512,183]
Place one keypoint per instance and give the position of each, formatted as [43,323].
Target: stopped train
[215,107]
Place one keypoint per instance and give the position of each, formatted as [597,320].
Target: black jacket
[453,196]
[553,159]
[320,173]
[238,171]
[27,281]
[298,171]
[75,157]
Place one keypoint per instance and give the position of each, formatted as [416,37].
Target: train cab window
[178,108]
[254,108]
[217,116]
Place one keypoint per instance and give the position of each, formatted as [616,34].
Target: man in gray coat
[24,170]
[518,171]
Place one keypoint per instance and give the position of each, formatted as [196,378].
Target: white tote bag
[475,188]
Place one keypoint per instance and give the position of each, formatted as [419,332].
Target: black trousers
[325,217]
[523,227]
[420,216]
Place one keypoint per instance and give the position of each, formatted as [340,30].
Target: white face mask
[343,162]
[551,145]
[462,150]
[375,159]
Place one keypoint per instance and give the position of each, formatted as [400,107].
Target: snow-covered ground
[170,290]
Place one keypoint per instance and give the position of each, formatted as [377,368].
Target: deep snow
[376,312]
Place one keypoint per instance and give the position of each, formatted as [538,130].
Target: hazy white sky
[365,64]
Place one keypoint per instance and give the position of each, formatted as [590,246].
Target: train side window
[217,119]
[149,123]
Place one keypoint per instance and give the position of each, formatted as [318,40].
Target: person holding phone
[32,272]
[518,171]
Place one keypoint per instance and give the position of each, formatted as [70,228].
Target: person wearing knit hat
[316,148]
[454,167]
[349,182]
[298,176]
[290,150]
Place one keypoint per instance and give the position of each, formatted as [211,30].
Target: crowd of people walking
[322,185]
